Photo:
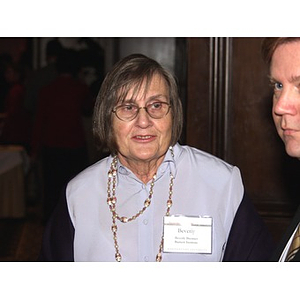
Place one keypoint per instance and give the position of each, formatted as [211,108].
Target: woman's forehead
[140,87]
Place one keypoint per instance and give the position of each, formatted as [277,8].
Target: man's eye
[277,86]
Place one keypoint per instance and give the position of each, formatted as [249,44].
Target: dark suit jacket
[249,238]
[281,245]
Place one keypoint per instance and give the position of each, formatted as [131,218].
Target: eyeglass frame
[139,108]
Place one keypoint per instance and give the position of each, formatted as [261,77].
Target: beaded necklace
[112,200]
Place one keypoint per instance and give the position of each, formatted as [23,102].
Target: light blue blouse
[203,185]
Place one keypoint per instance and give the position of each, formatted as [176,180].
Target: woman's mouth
[143,137]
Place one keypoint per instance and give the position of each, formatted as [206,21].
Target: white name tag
[187,234]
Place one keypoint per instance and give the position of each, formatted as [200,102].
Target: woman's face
[144,139]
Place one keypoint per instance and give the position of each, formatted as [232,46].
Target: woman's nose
[143,118]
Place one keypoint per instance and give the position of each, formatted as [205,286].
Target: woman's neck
[144,170]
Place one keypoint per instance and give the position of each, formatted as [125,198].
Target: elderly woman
[152,199]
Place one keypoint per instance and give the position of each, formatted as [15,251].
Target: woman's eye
[128,107]
[156,105]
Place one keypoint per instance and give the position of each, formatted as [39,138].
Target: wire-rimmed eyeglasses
[128,112]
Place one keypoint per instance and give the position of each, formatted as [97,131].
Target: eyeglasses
[128,112]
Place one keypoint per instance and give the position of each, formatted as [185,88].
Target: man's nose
[284,103]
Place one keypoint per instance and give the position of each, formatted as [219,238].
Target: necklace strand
[112,200]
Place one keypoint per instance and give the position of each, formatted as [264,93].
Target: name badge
[187,234]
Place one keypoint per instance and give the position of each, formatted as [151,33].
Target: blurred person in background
[42,76]
[16,122]
[58,135]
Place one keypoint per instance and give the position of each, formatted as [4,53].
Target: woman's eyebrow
[128,101]
[153,97]
[157,96]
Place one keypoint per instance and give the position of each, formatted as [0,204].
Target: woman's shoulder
[90,176]
[199,158]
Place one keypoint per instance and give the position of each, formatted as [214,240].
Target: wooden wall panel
[198,132]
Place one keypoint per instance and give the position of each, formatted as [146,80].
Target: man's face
[285,78]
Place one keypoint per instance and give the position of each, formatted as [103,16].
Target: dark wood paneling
[198,94]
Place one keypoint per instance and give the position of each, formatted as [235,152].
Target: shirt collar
[168,164]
